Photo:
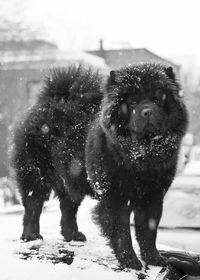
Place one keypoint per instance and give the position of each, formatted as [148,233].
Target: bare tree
[14,24]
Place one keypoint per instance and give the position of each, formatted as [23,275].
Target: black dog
[124,140]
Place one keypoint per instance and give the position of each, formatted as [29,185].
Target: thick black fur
[124,140]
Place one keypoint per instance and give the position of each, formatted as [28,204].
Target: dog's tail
[73,83]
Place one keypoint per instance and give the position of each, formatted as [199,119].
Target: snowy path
[48,259]
[53,259]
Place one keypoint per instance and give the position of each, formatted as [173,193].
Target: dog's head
[144,102]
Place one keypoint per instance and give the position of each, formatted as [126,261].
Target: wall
[16,85]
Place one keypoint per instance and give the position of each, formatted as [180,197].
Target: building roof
[47,59]
[121,57]
[41,54]
[29,45]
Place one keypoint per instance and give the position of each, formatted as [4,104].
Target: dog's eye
[133,103]
[156,99]
[159,96]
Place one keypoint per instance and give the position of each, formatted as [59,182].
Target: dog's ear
[170,73]
[115,77]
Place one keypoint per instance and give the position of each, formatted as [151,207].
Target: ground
[54,259]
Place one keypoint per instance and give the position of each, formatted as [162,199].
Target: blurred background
[36,35]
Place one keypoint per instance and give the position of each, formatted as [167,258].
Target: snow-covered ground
[54,259]
[48,259]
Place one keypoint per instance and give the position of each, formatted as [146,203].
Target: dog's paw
[155,259]
[79,236]
[129,261]
[76,236]
[31,237]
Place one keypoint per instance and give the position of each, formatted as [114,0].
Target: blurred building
[116,58]
[23,65]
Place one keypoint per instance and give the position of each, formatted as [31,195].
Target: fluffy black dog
[123,140]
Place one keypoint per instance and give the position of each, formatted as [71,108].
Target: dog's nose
[146,113]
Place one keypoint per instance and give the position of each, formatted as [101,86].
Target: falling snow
[45,129]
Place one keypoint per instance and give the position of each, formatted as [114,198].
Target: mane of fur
[71,82]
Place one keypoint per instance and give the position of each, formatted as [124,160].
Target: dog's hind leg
[70,192]
[34,191]
[31,227]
